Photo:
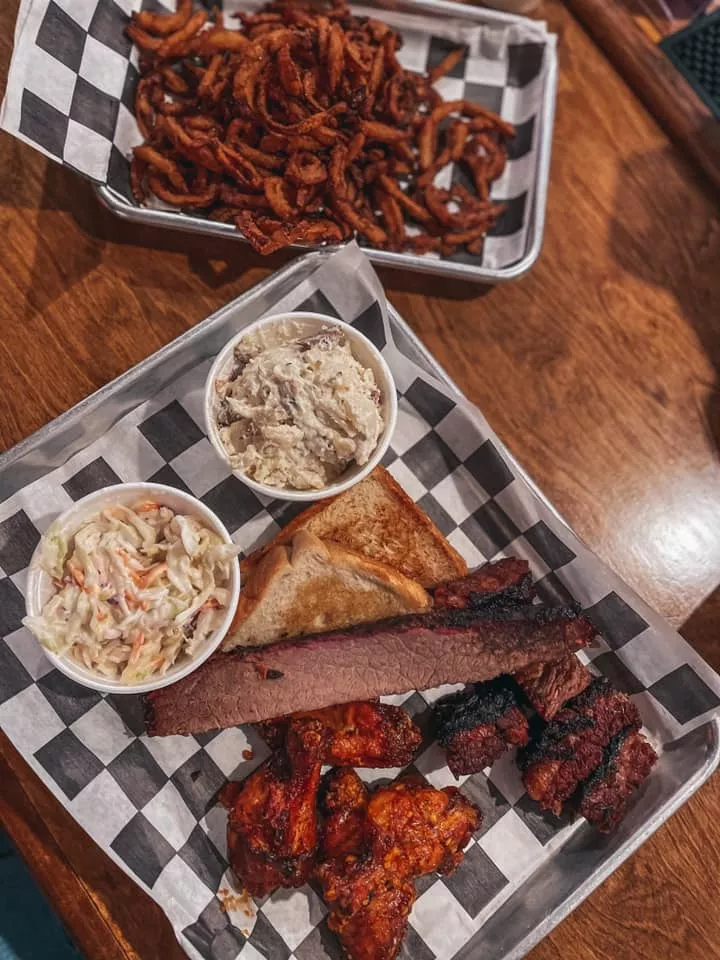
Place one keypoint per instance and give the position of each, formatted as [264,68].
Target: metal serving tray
[586,859]
[441,10]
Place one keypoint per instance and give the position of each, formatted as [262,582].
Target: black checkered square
[432,405]
[318,303]
[485,795]
[18,539]
[684,694]
[542,824]
[94,108]
[138,773]
[12,607]
[69,762]
[61,37]
[521,144]
[132,78]
[476,881]
[118,174]
[488,467]
[525,61]
[489,96]
[94,476]
[233,502]
[439,516]
[171,431]
[439,49]
[616,620]
[370,324]
[548,545]
[211,923]
[203,859]
[108,26]
[431,460]
[612,667]
[414,947]
[198,781]
[131,709]
[43,124]
[552,590]
[70,699]
[145,851]
[13,676]
[512,218]
[266,940]
[168,476]
[490,529]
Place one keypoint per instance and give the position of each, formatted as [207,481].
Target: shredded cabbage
[137,589]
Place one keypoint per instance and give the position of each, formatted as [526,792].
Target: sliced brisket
[414,652]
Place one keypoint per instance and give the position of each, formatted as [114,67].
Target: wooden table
[599,370]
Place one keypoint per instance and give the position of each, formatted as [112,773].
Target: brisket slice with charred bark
[414,652]
[502,583]
[567,750]
[507,583]
[627,761]
[477,725]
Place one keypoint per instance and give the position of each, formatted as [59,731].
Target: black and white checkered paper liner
[73,74]
[148,802]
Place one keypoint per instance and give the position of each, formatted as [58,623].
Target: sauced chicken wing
[400,832]
[273,822]
[365,733]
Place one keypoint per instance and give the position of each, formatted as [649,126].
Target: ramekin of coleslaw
[133,587]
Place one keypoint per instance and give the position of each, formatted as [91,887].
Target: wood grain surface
[664,91]
[599,370]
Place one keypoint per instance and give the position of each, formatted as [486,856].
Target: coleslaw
[137,589]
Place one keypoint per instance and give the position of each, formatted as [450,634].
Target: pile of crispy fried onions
[302,127]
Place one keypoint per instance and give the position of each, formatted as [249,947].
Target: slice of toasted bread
[311,586]
[378,520]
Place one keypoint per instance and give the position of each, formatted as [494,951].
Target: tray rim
[187,223]
[306,263]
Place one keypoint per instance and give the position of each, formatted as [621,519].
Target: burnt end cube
[548,686]
[477,725]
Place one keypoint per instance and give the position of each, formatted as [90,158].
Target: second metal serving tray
[540,127]
[577,866]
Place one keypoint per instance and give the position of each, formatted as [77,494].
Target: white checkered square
[170,753]
[80,11]
[459,494]
[168,813]
[296,915]
[102,731]
[409,429]
[200,467]
[106,795]
[29,721]
[413,487]
[511,846]
[441,921]
[51,80]
[127,134]
[227,750]
[86,151]
[29,652]
[103,67]
[183,895]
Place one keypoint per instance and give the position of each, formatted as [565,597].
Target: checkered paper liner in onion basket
[72,80]
[149,802]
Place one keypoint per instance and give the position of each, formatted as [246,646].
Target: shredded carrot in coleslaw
[138,589]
